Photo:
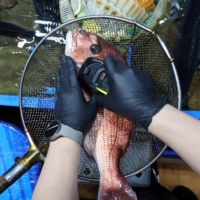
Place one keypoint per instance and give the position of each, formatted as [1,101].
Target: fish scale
[107,144]
[109,136]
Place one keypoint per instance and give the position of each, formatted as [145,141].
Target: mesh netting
[140,47]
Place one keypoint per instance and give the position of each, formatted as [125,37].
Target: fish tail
[118,189]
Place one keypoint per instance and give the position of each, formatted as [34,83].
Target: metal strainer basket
[140,46]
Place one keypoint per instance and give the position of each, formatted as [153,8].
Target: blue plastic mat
[13,143]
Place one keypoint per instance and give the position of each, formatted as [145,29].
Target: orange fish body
[108,138]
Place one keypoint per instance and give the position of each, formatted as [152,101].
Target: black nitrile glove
[131,92]
[71,108]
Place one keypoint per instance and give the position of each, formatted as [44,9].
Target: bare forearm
[58,179]
[181,132]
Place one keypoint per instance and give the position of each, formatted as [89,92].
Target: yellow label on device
[102,91]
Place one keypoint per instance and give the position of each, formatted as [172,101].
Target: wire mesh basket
[140,46]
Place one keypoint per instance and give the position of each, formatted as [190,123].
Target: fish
[81,44]
[109,136]
[8,3]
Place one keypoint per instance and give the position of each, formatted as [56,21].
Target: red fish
[8,3]
[81,45]
[110,133]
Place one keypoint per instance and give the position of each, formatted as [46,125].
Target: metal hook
[23,42]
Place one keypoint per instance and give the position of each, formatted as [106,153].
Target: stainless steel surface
[15,171]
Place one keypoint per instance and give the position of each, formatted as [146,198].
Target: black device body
[94,75]
[52,129]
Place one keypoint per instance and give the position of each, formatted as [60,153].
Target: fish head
[81,45]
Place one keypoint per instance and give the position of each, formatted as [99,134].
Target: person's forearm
[58,179]
[179,131]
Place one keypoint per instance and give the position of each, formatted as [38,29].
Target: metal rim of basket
[114,18]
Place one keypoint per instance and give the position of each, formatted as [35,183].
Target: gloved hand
[131,92]
[71,108]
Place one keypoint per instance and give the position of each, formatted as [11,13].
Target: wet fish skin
[106,142]
[109,136]
[80,42]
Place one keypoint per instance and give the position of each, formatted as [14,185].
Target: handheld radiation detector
[94,75]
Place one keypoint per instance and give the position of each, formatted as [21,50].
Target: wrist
[64,144]
[157,119]
[56,130]
[151,109]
